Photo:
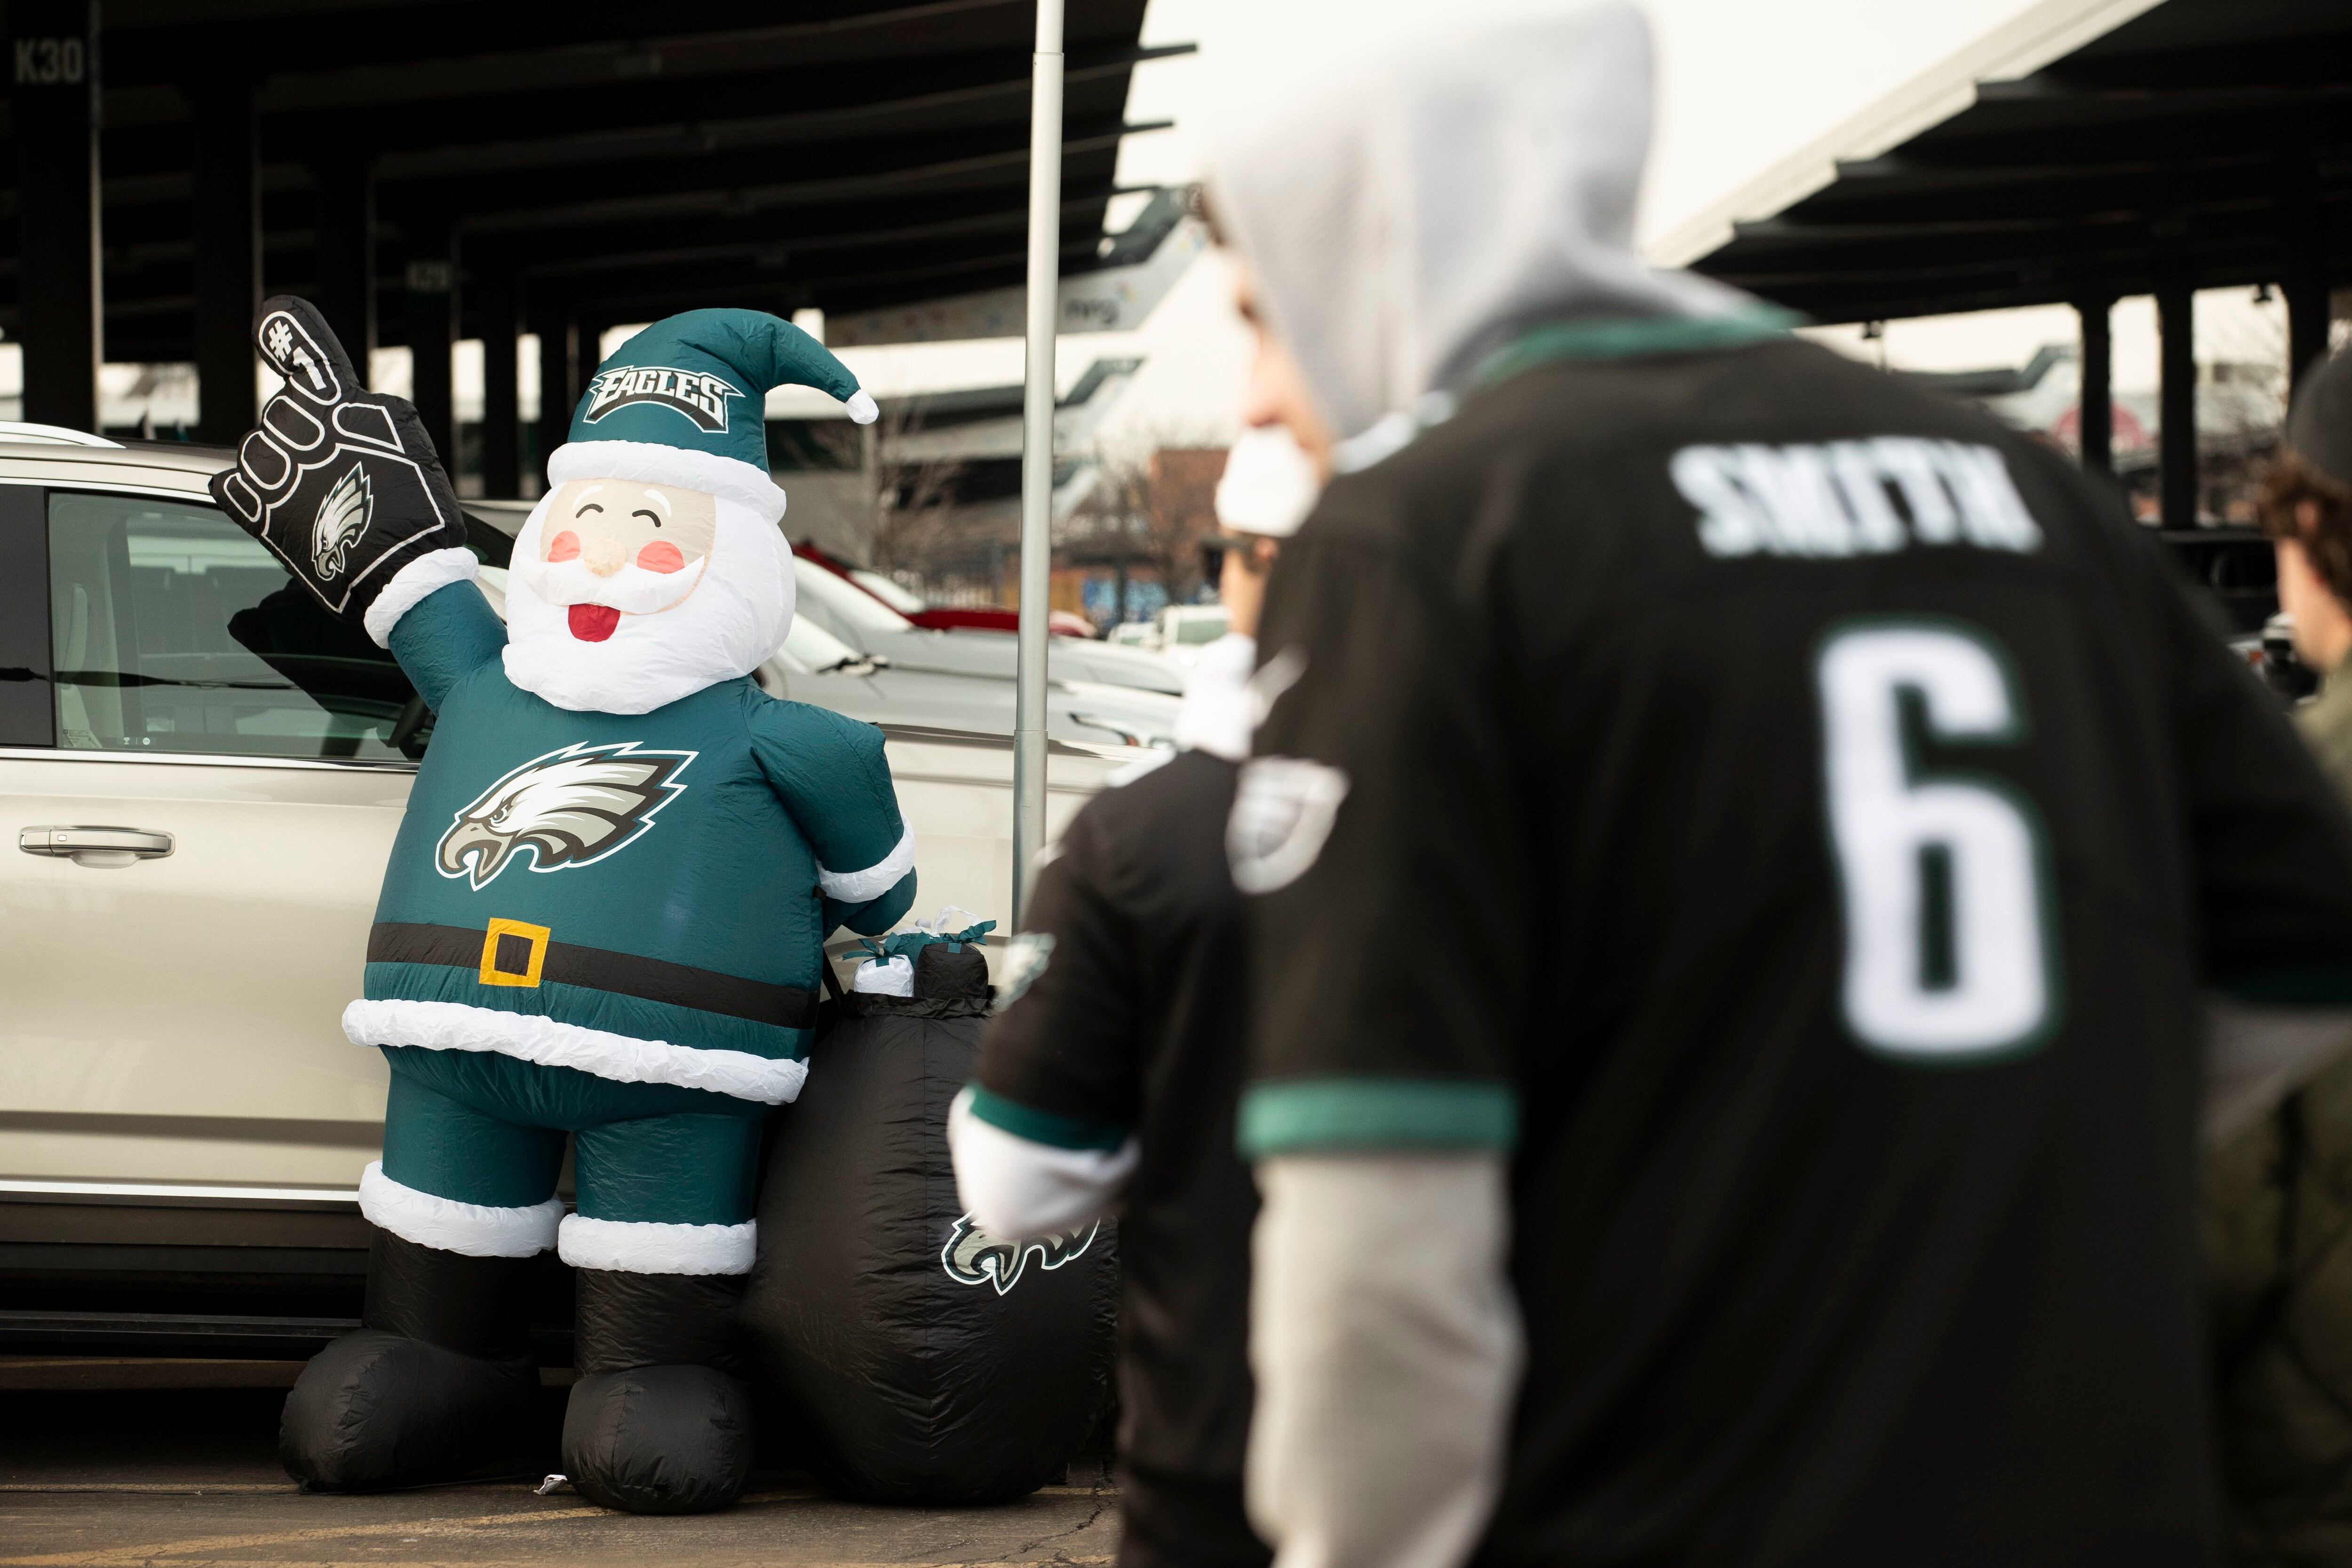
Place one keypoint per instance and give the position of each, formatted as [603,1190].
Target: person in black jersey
[1112,1073]
[1737,885]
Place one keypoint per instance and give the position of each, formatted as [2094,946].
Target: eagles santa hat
[683,402]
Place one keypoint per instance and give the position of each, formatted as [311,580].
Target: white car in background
[201,775]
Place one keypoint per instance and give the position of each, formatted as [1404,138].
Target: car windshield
[1201,628]
[889,593]
[837,600]
[815,649]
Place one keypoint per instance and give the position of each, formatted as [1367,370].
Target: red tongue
[594,622]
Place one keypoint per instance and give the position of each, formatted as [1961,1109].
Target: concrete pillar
[2097,409]
[498,310]
[228,157]
[2305,286]
[432,280]
[342,216]
[2176,316]
[559,375]
[53,100]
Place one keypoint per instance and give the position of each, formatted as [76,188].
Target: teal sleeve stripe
[2317,988]
[1303,1115]
[1044,1126]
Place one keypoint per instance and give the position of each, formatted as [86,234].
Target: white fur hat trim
[655,464]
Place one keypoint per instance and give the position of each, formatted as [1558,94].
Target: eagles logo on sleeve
[973,1257]
[570,808]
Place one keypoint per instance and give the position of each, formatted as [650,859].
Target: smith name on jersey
[643,897]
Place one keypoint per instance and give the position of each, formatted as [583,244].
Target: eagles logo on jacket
[643,897]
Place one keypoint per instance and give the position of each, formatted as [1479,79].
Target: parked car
[202,775]
[873,628]
[1185,629]
[848,650]
[940,617]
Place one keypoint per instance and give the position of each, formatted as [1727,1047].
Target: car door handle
[101,847]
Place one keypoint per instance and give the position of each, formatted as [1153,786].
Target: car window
[173,630]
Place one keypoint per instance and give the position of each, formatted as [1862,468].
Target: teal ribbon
[908,943]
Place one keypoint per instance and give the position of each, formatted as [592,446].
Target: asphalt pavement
[93,1477]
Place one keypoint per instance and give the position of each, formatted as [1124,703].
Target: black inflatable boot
[660,1421]
[437,1385]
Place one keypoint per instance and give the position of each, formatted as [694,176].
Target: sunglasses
[1213,548]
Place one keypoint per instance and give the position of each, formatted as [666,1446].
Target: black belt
[511,953]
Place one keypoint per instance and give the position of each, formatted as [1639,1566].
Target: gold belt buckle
[513,952]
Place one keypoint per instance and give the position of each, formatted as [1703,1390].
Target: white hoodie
[1406,216]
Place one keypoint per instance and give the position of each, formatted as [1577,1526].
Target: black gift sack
[910,1356]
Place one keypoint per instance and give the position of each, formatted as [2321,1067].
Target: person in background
[2277,1214]
[2306,508]
[1736,870]
[1111,1074]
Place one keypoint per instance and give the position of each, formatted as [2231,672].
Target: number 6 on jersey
[1946,957]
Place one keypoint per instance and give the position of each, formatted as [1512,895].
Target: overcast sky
[1741,83]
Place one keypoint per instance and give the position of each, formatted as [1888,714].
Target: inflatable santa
[603,921]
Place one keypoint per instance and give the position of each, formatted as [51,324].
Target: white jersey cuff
[1017,1188]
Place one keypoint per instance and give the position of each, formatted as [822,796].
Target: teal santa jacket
[642,897]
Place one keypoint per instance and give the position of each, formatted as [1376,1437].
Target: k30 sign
[53,63]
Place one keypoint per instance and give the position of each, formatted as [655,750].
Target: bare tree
[1152,505]
[909,497]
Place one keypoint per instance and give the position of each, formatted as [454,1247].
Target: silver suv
[201,775]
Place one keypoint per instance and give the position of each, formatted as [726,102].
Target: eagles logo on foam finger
[342,517]
[974,1256]
[569,807]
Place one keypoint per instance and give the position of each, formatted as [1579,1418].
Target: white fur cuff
[412,584]
[455,1027]
[445,1225]
[858,886]
[658,465]
[624,1247]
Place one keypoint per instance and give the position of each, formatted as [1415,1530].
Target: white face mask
[1270,483]
[717,620]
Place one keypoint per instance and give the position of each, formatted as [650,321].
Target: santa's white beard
[734,619]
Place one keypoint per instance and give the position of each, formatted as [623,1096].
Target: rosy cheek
[565,546]
[661,555]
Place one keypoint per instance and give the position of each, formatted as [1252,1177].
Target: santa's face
[625,594]
[610,548]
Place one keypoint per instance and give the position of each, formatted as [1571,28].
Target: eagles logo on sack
[701,396]
[973,1257]
[570,808]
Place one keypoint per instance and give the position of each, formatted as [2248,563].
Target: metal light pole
[1037,450]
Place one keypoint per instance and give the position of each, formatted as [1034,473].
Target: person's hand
[342,485]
